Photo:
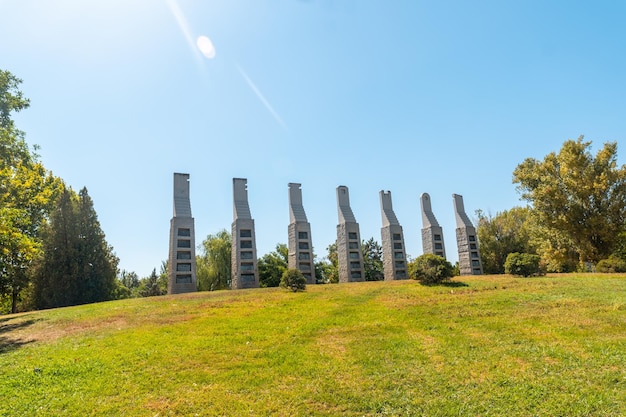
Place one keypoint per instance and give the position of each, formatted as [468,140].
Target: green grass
[485,346]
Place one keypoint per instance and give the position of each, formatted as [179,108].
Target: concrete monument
[350,258]
[245,273]
[432,233]
[467,243]
[394,254]
[300,243]
[182,257]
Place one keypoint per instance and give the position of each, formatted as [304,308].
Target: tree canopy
[213,264]
[578,196]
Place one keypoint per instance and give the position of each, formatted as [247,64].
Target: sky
[408,96]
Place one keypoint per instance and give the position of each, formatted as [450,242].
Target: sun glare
[206,46]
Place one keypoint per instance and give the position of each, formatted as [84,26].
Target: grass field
[482,346]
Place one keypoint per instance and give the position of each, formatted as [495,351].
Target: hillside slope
[489,346]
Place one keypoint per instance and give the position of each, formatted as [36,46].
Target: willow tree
[579,196]
[213,265]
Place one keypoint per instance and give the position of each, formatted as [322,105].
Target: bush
[523,264]
[430,269]
[293,280]
[611,265]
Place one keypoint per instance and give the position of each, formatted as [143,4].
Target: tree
[129,279]
[504,233]
[11,98]
[430,269]
[272,266]
[213,265]
[293,279]
[372,260]
[150,286]
[27,190]
[332,268]
[523,264]
[77,266]
[581,197]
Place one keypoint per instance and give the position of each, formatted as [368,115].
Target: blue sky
[409,96]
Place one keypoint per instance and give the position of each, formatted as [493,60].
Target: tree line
[575,219]
[53,252]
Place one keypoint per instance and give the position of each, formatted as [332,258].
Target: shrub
[523,264]
[293,280]
[611,265]
[430,269]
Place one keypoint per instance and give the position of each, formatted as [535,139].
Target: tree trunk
[14,301]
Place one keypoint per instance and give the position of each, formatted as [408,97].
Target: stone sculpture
[466,240]
[394,253]
[350,258]
[300,242]
[432,232]
[245,273]
[182,256]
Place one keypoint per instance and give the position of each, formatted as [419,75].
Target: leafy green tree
[504,233]
[213,264]
[163,277]
[293,279]
[331,269]
[372,260]
[150,286]
[581,197]
[611,265]
[27,191]
[129,279]
[77,266]
[272,266]
[523,264]
[430,269]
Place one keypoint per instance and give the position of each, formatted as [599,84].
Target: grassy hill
[488,346]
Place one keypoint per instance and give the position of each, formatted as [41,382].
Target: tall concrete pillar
[300,242]
[245,272]
[182,256]
[394,254]
[432,233]
[466,240]
[350,258]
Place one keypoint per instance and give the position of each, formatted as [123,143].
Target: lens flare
[206,46]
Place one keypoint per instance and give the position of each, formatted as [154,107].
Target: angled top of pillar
[241,209]
[428,217]
[296,209]
[386,209]
[343,205]
[182,205]
[459,210]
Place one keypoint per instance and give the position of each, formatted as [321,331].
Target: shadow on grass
[449,284]
[8,343]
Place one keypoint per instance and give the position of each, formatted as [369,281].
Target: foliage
[523,264]
[331,269]
[578,196]
[27,191]
[611,265]
[77,266]
[430,269]
[372,260]
[323,271]
[293,279]
[129,279]
[506,232]
[272,266]
[213,264]
[150,286]
[11,98]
